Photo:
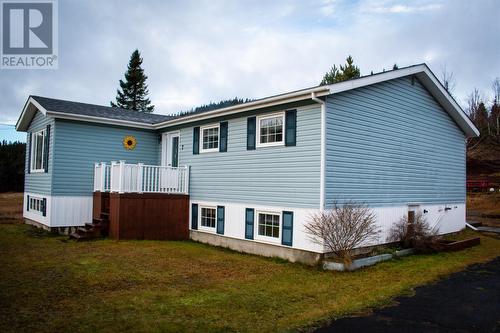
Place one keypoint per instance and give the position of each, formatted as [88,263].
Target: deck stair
[98,228]
[475,223]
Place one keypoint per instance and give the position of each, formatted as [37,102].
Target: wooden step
[98,228]
[83,230]
[100,225]
[77,236]
[90,225]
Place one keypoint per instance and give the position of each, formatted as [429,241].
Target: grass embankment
[11,209]
[49,284]
[484,207]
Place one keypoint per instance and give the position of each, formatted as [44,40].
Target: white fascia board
[266,102]
[437,90]
[30,107]
[375,78]
[99,120]
[428,79]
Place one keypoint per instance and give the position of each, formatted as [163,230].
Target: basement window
[36,204]
[269,225]
[207,218]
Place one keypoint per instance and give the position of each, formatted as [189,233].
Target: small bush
[415,234]
[343,228]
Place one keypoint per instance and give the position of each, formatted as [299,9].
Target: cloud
[396,9]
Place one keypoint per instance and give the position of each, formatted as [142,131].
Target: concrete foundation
[56,230]
[258,248]
[36,224]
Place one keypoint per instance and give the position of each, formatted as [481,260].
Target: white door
[170,158]
[170,148]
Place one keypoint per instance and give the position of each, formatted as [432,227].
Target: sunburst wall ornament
[129,142]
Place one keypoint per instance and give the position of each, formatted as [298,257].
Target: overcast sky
[200,51]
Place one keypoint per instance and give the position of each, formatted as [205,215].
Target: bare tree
[448,79]
[343,228]
[495,108]
[413,232]
[473,101]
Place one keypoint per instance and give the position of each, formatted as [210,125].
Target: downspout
[323,151]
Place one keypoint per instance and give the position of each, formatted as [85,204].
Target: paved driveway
[468,301]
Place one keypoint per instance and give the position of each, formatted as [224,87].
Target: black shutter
[249,217]
[194,216]
[223,137]
[44,206]
[287,228]
[27,203]
[46,150]
[29,151]
[291,128]
[196,140]
[251,122]
[220,220]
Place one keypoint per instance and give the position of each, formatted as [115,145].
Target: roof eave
[422,72]
[29,110]
[444,98]
[100,120]
[262,103]
[429,80]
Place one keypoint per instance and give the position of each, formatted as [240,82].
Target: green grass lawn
[48,284]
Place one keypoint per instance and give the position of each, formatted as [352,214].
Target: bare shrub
[343,228]
[415,234]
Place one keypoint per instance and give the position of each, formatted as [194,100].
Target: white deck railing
[123,177]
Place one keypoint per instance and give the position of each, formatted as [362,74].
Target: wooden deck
[153,216]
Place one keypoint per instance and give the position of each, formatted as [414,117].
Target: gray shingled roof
[57,105]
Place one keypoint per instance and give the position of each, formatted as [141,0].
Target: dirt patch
[11,208]
[484,208]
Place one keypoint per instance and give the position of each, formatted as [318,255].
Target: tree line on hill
[12,157]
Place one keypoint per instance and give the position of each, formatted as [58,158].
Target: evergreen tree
[12,157]
[395,66]
[345,72]
[481,119]
[134,91]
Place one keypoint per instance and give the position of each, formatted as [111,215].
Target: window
[269,225]
[270,130]
[208,217]
[38,151]
[36,204]
[209,138]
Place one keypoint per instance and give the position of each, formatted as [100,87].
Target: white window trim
[267,238]
[166,147]
[257,133]
[33,151]
[203,228]
[33,199]
[211,150]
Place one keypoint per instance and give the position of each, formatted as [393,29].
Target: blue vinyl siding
[40,183]
[392,143]
[283,176]
[78,145]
